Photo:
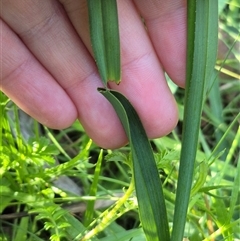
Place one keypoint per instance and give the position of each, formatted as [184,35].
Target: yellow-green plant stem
[109,216]
[234,146]
[216,148]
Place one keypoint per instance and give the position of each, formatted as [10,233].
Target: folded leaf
[151,203]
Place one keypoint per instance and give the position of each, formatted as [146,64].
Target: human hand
[49,72]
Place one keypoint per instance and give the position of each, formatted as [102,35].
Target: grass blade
[103,20]
[236,188]
[97,38]
[75,227]
[151,203]
[93,191]
[111,37]
[201,57]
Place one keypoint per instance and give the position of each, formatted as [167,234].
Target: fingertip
[157,122]
[114,140]
[101,122]
[57,118]
[164,121]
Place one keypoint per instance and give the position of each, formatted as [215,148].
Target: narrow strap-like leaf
[202,40]
[111,37]
[93,191]
[103,20]
[97,38]
[152,209]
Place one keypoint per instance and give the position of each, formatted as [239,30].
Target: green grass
[34,207]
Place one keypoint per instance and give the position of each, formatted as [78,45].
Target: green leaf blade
[152,209]
[111,37]
[104,32]
[97,37]
[201,56]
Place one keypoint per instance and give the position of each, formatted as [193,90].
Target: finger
[30,86]
[143,79]
[77,12]
[166,24]
[45,29]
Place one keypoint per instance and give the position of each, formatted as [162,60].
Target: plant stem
[108,216]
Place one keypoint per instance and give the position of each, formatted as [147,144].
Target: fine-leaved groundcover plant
[184,186]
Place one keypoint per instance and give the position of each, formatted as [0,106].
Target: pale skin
[48,70]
